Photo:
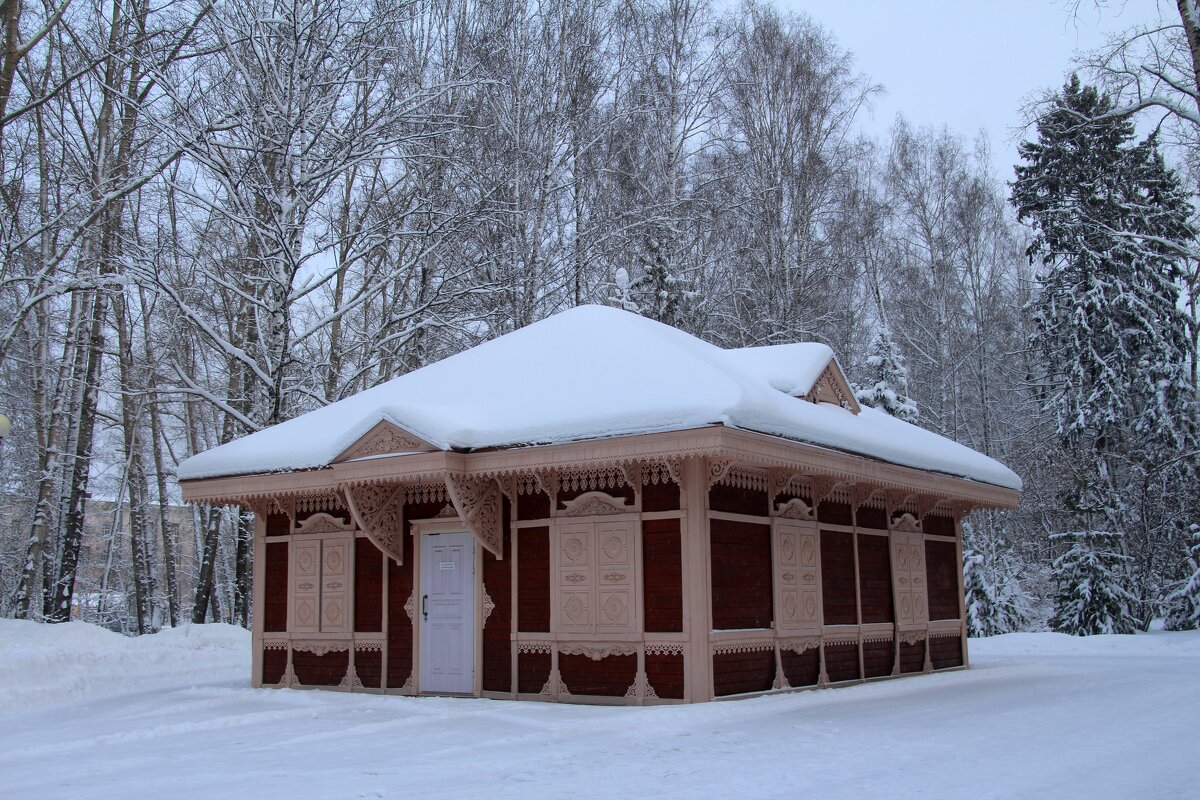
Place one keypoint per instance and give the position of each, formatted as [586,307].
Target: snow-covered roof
[594,372]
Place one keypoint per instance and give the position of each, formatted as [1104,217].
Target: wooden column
[259,593]
[698,677]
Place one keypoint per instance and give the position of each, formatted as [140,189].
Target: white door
[447,613]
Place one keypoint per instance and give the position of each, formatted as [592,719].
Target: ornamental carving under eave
[479,502]
[906,523]
[378,509]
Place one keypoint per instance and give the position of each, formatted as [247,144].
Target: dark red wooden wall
[741,575]
[662,575]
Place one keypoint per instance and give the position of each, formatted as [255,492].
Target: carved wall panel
[320,585]
[797,562]
[306,586]
[908,569]
[595,581]
[335,585]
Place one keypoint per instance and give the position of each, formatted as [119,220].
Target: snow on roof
[594,372]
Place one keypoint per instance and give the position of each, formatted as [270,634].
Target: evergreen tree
[995,599]
[1090,595]
[1112,230]
[888,390]
[1111,225]
[1184,603]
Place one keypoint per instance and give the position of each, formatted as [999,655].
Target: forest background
[215,216]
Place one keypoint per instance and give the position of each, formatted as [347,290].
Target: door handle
[425,607]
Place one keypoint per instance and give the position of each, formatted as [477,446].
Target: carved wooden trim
[742,646]
[322,522]
[488,607]
[478,502]
[384,439]
[321,501]
[665,648]
[800,644]
[379,511]
[742,477]
[590,504]
[275,644]
[597,651]
[912,637]
[322,647]
[795,509]
[831,387]
[447,512]
[535,646]
[555,686]
[718,468]
[820,487]
[369,647]
[907,523]
[410,607]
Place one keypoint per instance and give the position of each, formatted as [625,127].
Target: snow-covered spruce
[1090,596]
[1183,604]
[888,386]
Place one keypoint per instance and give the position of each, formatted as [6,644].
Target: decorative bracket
[478,502]
[718,468]
[378,509]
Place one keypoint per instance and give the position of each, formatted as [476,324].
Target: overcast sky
[969,64]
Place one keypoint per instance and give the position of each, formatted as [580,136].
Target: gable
[831,386]
[384,439]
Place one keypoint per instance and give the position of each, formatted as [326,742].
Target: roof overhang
[745,448]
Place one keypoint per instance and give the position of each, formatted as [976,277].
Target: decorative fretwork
[527,483]
[325,501]
[749,478]
[912,637]
[664,648]
[384,439]
[488,607]
[275,644]
[535,646]
[597,651]
[425,493]
[820,487]
[907,523]
[718,468]
[379,509]
[600,478]
[479,504]
[447,512]
[656,472]
[369,647]
[837,641]
[800,644]
[555,686]
[410,607]
[742,646]
[590,504]
[322,647]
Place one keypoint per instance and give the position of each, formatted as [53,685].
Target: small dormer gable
[831,386]
[386,438]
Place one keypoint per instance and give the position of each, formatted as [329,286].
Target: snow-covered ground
[85,713]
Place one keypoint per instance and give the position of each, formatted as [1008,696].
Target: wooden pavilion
[599,508]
